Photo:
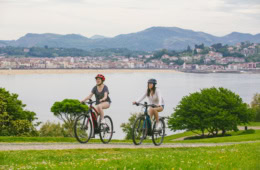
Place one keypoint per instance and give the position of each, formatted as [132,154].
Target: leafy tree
[14,119]
[159,54]
[67,111]
[179,61]
[211,109]
[128,127]
[217,46]
[255,104]
[201,46]
[53,129]
[189,49]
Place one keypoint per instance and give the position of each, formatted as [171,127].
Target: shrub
[67,111]
[14,119]
[212,110]
[127,127]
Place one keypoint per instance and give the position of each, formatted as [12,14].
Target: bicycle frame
[144,127]
[147,119]
[93,115]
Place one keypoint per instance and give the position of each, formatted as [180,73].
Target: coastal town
[199,59]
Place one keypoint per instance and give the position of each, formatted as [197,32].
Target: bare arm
[105,97]
[140,99]
[159,97]
[87,98]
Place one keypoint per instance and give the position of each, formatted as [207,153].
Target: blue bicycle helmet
[154,81]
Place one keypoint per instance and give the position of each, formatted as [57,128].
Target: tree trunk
[223,132]
[202,130]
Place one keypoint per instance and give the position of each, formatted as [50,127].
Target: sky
[114,17]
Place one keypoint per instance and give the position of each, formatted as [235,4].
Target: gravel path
[61,146]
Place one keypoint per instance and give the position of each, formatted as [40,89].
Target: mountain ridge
[150,39]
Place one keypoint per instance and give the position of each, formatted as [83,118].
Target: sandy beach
[80,71]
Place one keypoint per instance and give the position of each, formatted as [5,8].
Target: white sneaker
[103,121]
[157,127]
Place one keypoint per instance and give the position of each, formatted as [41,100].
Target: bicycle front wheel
[158,135]
[106,130]
[83,128]
[139,130]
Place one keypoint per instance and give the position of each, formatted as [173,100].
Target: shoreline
[104,71]
[81,71]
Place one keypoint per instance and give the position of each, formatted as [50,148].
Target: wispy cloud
[113,17]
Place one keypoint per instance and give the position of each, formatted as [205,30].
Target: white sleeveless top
[155,99]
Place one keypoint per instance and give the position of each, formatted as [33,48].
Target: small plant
[127,127]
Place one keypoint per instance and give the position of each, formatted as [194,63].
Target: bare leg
[100,107]
[151,113]
[155,111]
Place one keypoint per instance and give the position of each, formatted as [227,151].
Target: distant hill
[150,39]
[97,37]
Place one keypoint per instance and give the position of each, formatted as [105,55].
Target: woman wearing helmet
[101,93]
[154,97]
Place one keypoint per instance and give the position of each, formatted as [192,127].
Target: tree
[189,49]
[211,109]
[67,111]
[201,46]
[14,119]
[217,46]
[179,61]
[255,104]
[127,127]
[52,129]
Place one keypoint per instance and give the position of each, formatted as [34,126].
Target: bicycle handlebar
[146,105]
[90,102]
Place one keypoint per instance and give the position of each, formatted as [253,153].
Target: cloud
[241,8]
[113,17]
[245,2]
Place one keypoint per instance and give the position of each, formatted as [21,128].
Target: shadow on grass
[244,132]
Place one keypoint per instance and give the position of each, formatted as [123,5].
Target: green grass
[17,139]
[11,139]
[240,156]
[253,124]
[249,135]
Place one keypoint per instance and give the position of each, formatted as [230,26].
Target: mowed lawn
[239,136]
[253,124]
[239,156]
[249,135]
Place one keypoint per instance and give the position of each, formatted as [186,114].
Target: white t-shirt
[156,98]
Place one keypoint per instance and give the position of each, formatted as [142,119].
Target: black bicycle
[143,127]
[87,125]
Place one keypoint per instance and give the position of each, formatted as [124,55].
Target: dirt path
[61,146]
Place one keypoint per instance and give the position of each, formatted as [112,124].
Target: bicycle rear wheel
[158,135]
[106,130]
[139,130]
[83,128]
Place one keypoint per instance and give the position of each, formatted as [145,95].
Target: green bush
[23,128]
[255,104]
[14,119]
[67,111]
[127,127]
[212,110]
[52,129]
